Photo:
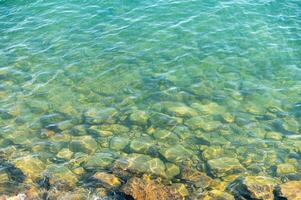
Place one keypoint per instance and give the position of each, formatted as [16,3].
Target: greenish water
[148,87]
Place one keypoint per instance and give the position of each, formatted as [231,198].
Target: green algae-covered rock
[166,136]
[31,166]
[100,160]
[172,170]
[78,160]
[140,163]
[115,128]
[50,119]
[254,187]
[139,117]
[176,154]
[178,109]
[100,115]
[118,143]
[78,130]
[212,152]
[285,168]
[215,195]
[141,145]
[65,153]
[84,144]
[97,130]
[220,167]
[200,123]
[207,109]
[61,177]
[157,167]
[163,120]
[273,136]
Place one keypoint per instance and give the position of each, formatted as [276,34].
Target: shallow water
[184,82]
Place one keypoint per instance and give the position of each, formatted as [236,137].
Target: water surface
[176,84]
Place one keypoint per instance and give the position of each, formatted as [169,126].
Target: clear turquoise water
[234,65]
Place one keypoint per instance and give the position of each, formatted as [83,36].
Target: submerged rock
[290,190]
[61,177]
[84,144]
[109,180]
[254,187]
[100,160]
[146,189]
[220,167]
[178,109]
[100,116]
[177,154]
[285,168]
[119,143]
[214,195]
[199,179]
[31,166]
[140,163]
[200,123]
[141,145]
[163,120]
[139,117]
[65,154]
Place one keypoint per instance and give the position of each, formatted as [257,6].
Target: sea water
[94,93]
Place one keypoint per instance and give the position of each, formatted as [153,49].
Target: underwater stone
[214,195]
[100,116]
[97,130]
[109,180]
[51,119]
[172,170]
[284,169]
[178,109]
[290,190]
[31,166]
[212,152]
[65,154]
[141,145]
[165,135]
[61,177]
[208,109]
[118,143]
[220,167]
[84,144]
[254,187]
[273,136]
[139,117]
[140,163]
[176,154]
[78,130]
[290,125]
[200,123]
[115,128]
[199,179]
[147,189]
[163,120]
[156,167]
[100,160]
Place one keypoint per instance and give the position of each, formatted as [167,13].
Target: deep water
[158,88]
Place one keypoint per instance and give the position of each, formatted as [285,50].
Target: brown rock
[290,190]
[199,179]
[254,187]
[109,180]
[215,195]
[146,189]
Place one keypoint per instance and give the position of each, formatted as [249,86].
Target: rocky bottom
[146,188]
